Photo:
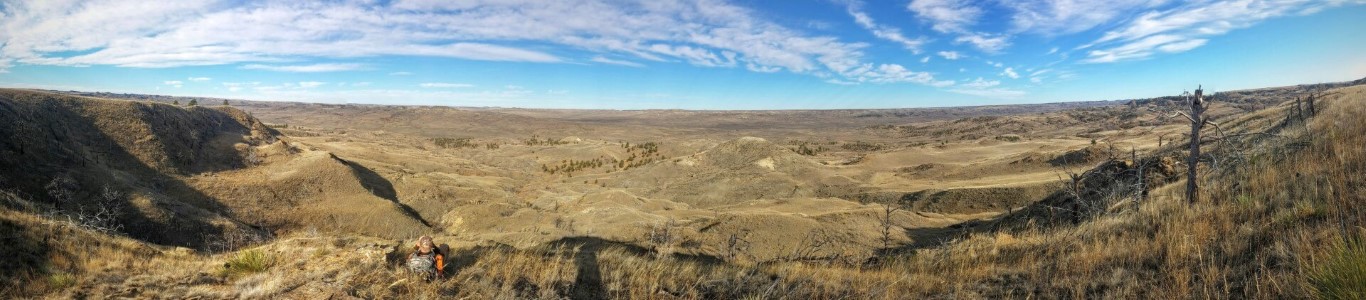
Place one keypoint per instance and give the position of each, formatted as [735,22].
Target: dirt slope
[186,176]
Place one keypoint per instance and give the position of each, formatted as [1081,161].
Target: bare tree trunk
[888,208]
[1299,108]
[1311,104]
[1142,184]
[1197,108]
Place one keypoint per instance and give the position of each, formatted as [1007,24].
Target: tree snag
[1198,107]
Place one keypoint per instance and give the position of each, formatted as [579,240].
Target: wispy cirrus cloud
[957,18]
[270,36]
[986,88]
[600,59]
[883,31]
[1002,93]
[980,83]
[947,16]
[324,67]
[1189,26]
[199,78]
[989,43]
[445,85]
[1060,17]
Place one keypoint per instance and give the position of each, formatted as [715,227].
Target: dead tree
[1198,121]
[1299,108]
[1310,102]
[1138,167]
[888,208]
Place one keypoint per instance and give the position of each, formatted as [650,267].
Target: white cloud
[1188,26]
[957,17]
[696,55]
[1010,72]
[986,42]
[133,33]
[948,16]
[893,73]
[600,59]
[1056,17]
[1144,48]
[980,83]
[840,82]
[200,79]
[950,55]
[313,68]
[883,31]
[444,85]
[310,84]
[991,93]
[362,83]
[926,59]
[400,73]
[174,83]
[762,69]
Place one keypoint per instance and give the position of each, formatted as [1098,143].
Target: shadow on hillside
[380,187]
[588,284]
[49,138]
[24,254]
[931,237]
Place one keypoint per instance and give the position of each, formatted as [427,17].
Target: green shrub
[1342,275]
[247,262]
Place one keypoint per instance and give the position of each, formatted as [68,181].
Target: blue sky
[690,54]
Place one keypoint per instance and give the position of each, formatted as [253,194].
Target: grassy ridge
[1279,221]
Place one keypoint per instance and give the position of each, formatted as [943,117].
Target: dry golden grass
[1271,226]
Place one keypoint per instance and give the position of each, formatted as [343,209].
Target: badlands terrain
[116,195]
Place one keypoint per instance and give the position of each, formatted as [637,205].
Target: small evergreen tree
[225,102]
[175,102]
[194,102]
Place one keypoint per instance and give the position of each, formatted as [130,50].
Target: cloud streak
[883,31]
[445,85]
[313,68]
[1189,26]
[277,36]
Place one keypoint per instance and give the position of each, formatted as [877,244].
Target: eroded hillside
[970,207]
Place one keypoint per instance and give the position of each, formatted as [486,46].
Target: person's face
[425,245]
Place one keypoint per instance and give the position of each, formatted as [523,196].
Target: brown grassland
[978,214]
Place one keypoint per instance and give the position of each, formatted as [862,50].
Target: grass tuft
[61,281]
[1343,274]
[248,262]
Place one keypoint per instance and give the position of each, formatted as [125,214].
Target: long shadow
[380,187]
[44,136]
[24,255]
[589,284]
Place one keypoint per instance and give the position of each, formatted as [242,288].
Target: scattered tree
[194,102]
